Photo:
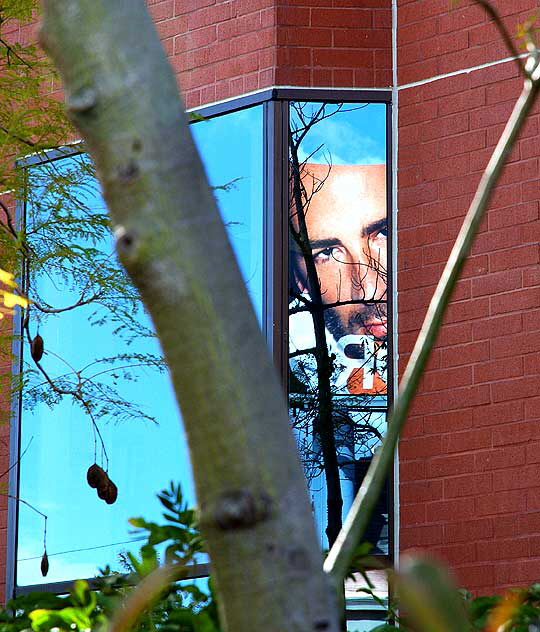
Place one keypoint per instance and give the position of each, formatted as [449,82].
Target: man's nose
[368,278]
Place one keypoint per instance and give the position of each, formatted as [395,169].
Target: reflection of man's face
[347,227]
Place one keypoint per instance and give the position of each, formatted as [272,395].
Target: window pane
[108,357]
[232,150]
[116,361]
[338,302]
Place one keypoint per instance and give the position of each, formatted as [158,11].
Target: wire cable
[88,548]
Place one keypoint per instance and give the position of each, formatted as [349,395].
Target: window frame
[275,102]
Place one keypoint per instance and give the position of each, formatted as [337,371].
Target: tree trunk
[254,510]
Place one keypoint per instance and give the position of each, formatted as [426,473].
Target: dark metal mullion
[195,571]
[50,155]
[276,256]
[235,104]
[391,368]
[12,535]
[282,95]
[333,95]
[267,224]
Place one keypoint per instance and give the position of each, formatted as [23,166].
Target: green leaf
[43,620]
[77,617]
[204,623]
[430,597]
[479,610]
[385,627]
[82,596]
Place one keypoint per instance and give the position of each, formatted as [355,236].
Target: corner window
[302,187]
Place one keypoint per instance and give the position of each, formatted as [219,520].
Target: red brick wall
[222,49]
[434,39]
[218,49]
[339,43]
[470,464]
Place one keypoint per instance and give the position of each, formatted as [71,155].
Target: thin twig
[25,502]
[300,352]
[45,517]
[337,562]
[310,306]
[22,140]
[11,51]
[18,460]
[76,393]
[9,221]
[59,310]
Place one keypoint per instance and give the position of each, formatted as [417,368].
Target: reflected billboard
[338,301]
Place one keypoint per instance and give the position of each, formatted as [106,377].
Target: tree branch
[10,227]
[60,310]
[22,140]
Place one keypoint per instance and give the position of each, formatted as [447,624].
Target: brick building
[467,484]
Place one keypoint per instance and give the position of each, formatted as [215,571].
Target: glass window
[337,323]
[338,302]
[125,418]
[232,151]
[117,407]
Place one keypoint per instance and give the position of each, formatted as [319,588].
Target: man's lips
[377,328]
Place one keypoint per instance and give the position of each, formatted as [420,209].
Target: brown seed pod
[112,493]
[108,492]
[44,564]
[103,486]
[102,489]
[96,476]
[36,348]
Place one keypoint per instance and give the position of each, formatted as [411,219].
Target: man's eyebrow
[315,244]
[374,227]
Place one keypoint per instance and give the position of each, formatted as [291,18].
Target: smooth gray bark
[255,514]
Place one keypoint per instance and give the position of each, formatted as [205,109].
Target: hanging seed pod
[44,564]
[112,493]
[36,348]
[108,492]
[96,476]
[103,486]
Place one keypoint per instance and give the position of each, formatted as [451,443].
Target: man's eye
[381,233]
[323,255]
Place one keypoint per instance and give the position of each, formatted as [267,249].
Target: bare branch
[10,226]
[60,310]
[25,141]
